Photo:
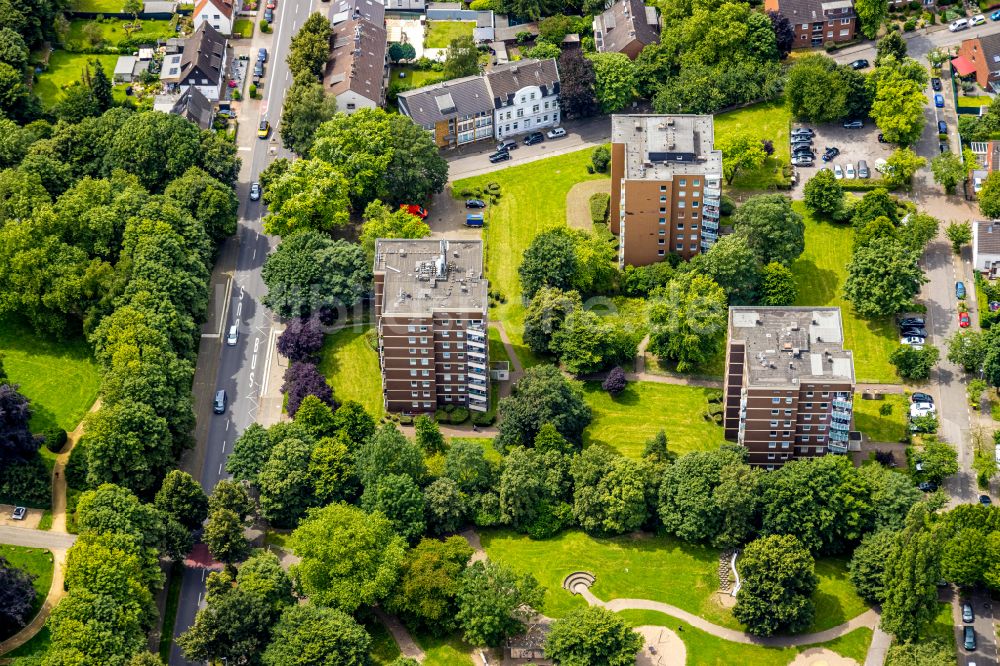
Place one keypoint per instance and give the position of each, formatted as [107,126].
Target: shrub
[265,27]
[885,409]
[405,419]
[302,379]
[301,340]
[599,205]
[726,205]
[768,146]
[460,415]
[449,408]
[237,96]
[523,37]
[76,468]
[485,5]
[26,482]
[253,91]
[615,382]
[910,25]
[601,158]
[441,416]
[55,439]
[493,188]
[484,418]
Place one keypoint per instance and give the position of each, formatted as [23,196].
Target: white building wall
[350,101]
[529,112]
[214,18]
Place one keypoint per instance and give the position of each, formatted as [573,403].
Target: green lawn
[112,31]
[713,368]
[835,599]
[627,422]
[450,651]
[974,102]
[37,562]
[497,351]
[767,120]
[703,649]
[820,273]
[243,27]
[384,649]
[880,428]
[441,33]
[37,647]
[59,377]
[533,199]
[415,78]
[351,368]
[66,68]
[103,6]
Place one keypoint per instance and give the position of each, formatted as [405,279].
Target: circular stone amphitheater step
[578,581]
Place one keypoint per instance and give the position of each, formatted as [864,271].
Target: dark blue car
[960,290]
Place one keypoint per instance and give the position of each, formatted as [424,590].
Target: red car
[272,4]
[414,209]
[963,319]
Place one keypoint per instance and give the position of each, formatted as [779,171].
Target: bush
[301,340]
[237,96]
[615,382]
[55,439]
[910,25]
[493,188]
[441,416]
[265,27]
[599,205]
[726,205]
[253,91]
[601,158]
[460,415]
[885,409]
[26,483]
[76,468]
[484,418]
[302,379]
[449,408]
[865,184]
[485,5]
[405,419]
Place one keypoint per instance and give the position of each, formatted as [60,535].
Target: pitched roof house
[195,107]
[980,55]
[357,73]
[986,247]
[219,14]
[202,64]
[817,22]
[627,26]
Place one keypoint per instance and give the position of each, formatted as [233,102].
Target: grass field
[384,649]
[497,351]
[66,68]
[703,649]
[112,31]
[414,77]
[243,27]
[820,273]
[59,377]
[974,102]
[651,567]
[440,33]
[767,120]
[713,368]
[627,422]
[37,562]
[450,651]
[880,428]
[351,368]
[103,6]
[533,199]
[37,647]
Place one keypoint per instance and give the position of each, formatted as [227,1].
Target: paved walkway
[578,203]
[407,646]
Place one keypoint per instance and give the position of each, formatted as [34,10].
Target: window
[682,182]
[774,412]
[446,345]
[694,246]
[663,199]
[663,220]
[809,405]
[696,182]
[412,341]
[680,226]
[775,401]
[413,361]
[807,428]
[774,433]
[788,401]
[660,241]
[413,373]
[416,404]
[826,394]
[807,417]
[788,412]
[446,355]
[809,394]
[659,253]
[788,424]
[663,188]
[824,405]
[681,204]
[679,247]
[663,232]
[821,427]
[770,445]
[846,21]
[830,34]
[695,204]
[425,373]
[447,378]
[423,361]
[770,456]
[413,394]
[411,329]
[805,26]
[663,211]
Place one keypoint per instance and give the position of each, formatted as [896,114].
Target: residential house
[817,22]
[980,56]
[220,14]
[432,317]
[202,64]
[357,73]
[666,180]
[130,68]
[987,159]
[456,112]
[525,96]
[195,107]
[986,248]
[626,26]
[406,5]
[789,384]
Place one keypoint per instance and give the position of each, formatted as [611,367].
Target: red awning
[962,65]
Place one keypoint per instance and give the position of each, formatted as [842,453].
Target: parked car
[475,203]
[262,54]
[863,171]
[942,127]
[269,15]
[507,144]
[233,336]
[804,151]
[799,142]
[880,165]
[533,138]
[849,171]
[939,101]
[911,321]
[912,341]
[963,319]
[414,209]
[555,133]
[19,513]
[271,4]
[927,486]
[985,500]
[978,19]
[254,191]
[967,615]
[959,290]
[802,161]
[258,69]
[913,332]
[838,173]
[854,124]
[936,84]
[219,404]
[881,138]
[803,131]
[499,156]
[922,409]
[264,129]
[830,153]
[922,397]
[995,16]
[860,63]
[959,24]
[970,639]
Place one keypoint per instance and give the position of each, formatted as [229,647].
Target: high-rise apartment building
[431,307]
[789,383]
[666,184]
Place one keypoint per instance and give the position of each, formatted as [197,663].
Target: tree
[542,396]
[771,228]
[16,441]
[310,48]
[466,464]
[383,222]
[686,505]
[545,315]
[902,164]
[315,417]
[615,382]
[959,233]
[13,49]
[389,452]
[398,498]
[740,152]
[614,80]
[871,13]
[657,449]
[577,81]
[349,557]
[892,45]
[898,107]
[306,107]
[417,169]
[331,468]
[310,635]
[231,495]
[913,363]
[550,261]
[224,536]
[461,58]
[531,486]
[733,266]
[874,204]
[949,170]
[586,343]
[824,194]
[17,594]
[967,349]
[592,635]
[924,653]
[235,626]
[301,340]
[111,509]
[815,90]
[429,584]
[777,285]
[445,506]
[182,498]
[867,567]
[912,571]
[688,320]
[778,582]
[309,270]
[399,51]
[356,424]
[784,33]
[543,50]
[286,487]
[495,603]
[250,451]
[882,278]
[938,460]
[989,197]
[100,88]
[301,380]
[609,492]
[428,435]
[127,444]
[137,148]
[311,194]
[211,202]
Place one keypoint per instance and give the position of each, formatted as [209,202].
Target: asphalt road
[920,43]
[20,536]
[241,369]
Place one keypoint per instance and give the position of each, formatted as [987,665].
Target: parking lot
[854,144]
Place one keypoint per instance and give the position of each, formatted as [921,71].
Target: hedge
[599,206]
[865,184]
[460,415]
[26,483]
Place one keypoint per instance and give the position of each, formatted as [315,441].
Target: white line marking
[251,380]
[254,253]
[220,469]
[225,305]
[241,292]
[245,149]
[210,335]
[199,594]
[267,362]
[227,426]
[256,344]
[253,362]
[223,446]
[239,309]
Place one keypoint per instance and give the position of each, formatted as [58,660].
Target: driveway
[19,536]
[985,653]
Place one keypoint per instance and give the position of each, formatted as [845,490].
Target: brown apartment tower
[666,184]
[789,383]
[431,313]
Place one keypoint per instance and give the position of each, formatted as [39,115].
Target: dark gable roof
[990,44]
[627,21]
[459,97]
[988,237]
[357,60]
[808,11]
[506,80]
[372,11]
[203,54]
[195,107]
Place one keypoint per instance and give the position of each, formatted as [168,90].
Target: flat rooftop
[427,276]
[788,346]
[658,147]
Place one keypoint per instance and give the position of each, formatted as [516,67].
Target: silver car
[863,171]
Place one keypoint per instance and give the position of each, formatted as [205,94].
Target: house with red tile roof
[220,14]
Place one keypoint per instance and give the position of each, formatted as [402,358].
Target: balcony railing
[710,213]
[842,404]
[713,191]
[836,447]
[710,225]
[839,435]
[712,201]
[837,426]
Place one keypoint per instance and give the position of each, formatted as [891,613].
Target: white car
[19,513]
[838,173]
[960,24]
[850,170]
[913,341]
[978,19]
[922,409]
[555,133]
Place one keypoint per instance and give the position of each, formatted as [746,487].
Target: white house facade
[525,96]
[217,13]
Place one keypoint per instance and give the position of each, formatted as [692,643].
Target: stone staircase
[578,579]
[725,571]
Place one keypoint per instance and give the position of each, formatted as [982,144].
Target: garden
[882,420]
[350,365]
[86,34]
[768,120]
[65,69]
[37,562]
[441,33]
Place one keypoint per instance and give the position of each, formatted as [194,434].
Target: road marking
[267,362]
[239,309]
[256,343]
[199,596]
[251,380]
[255,253]
[244,149]
[210,335]
[223,446]
[253,362]
[241,292]
[220,469]
[227,426]
[225,305]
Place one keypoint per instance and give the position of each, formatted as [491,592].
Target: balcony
[711,191]
[712,201]
[709,235]
[838,426]
[710,225]
[842,404]
[710,213]
[840,436]
[475,346]
[836,447]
